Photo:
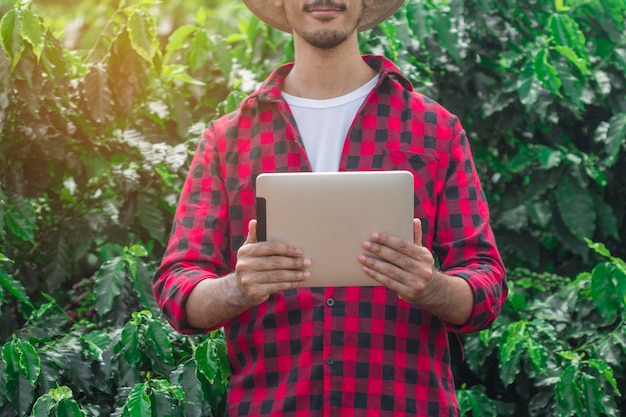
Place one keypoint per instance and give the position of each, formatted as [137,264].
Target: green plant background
[102,103]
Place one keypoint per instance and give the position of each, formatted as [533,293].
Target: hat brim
[374,14]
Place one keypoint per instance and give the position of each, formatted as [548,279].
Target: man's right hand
[264,268]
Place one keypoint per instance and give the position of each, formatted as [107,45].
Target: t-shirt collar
[270,90]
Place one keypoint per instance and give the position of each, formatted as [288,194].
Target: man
[355,351]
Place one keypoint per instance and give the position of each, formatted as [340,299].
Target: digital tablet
[330,214]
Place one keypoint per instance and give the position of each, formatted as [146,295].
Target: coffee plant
[102,103]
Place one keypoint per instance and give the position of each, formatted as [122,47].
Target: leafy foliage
[560,347]
[100,109]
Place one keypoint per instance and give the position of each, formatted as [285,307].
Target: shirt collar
[270,90]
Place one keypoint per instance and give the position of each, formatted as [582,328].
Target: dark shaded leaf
[603,291]
[576,208]
[108,284]
[150,217]
[568,393]
[68,408]
[98,94]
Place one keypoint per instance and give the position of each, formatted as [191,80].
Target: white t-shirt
[324,124]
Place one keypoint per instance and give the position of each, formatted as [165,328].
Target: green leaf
[603,292]
[58,260]
[566,33]
[599,248]
[546,73]
[207,360]
[21,219]
[475,403]
[158,336]
[605,370]
[150,217]
[11,36]
[29,361]
[620,283]
[528,87]
[21,393]
[447,35]
[524,159]
[69,408]
[571,56]
[142,282]
[568,394]
[31,31]
[592,395]
[615,137]
[162,404]
[61,393]
[98,95]
[138,403]
[537,354]
[512,343]
[177,39]
[201,48]
[130,344]
[14,287]
[4,258]
[142,32]
[608,219]
[43,406]
[138,251]
[68,356]
[549,157]
[576,208]
[109,283]
[97,341]
[185,376]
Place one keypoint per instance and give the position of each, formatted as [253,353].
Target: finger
[397,286]
[385,268]
[251,238]
[281,263]
[417,232]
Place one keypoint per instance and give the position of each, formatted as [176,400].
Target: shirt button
[330,361]
[330,302]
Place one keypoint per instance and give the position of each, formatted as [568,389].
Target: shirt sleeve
[199,237]
[464,240]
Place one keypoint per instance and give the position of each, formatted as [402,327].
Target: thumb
[251,238]
[417,232]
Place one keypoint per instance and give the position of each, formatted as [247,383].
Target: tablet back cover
[329,215]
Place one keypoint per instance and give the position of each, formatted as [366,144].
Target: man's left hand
[405,267]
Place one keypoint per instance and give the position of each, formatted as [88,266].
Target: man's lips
[324,7]
[324,12]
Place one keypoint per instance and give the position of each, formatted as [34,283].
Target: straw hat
[373,15]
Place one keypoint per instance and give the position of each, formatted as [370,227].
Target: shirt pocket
[428,177]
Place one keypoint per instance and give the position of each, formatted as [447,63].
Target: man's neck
[323,74]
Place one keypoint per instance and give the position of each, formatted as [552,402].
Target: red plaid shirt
[336,351]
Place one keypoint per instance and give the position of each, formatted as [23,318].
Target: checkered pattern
[336,351]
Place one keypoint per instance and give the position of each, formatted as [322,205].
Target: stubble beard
[329,39]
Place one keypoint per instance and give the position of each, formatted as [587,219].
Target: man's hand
[408,269]
[264,268]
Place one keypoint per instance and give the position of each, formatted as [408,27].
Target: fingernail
[307,262]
